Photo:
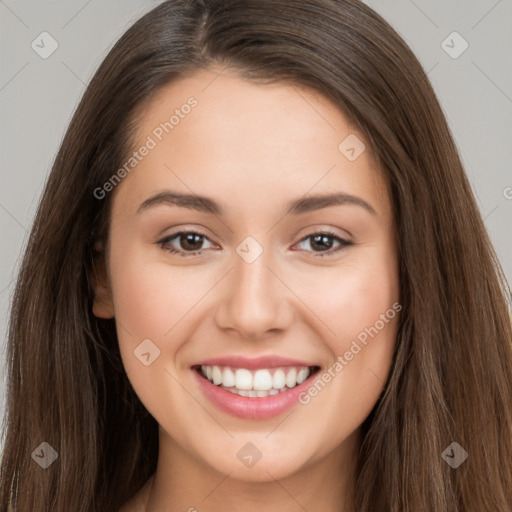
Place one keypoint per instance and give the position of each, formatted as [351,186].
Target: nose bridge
[256,300]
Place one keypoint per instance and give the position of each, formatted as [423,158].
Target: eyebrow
[297,207]
[317,202]
[191,201]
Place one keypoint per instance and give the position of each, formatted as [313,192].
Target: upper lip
[268,361]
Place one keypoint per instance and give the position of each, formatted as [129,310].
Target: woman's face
[252,244]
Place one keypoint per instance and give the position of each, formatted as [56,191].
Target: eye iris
[322,241]
[191,241]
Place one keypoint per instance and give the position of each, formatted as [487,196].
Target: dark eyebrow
[316,202]
[297,207]
[193,202]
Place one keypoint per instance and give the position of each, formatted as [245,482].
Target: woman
[258,279]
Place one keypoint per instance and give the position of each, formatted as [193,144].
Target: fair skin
[253,149]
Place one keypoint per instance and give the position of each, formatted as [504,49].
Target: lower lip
[257,408]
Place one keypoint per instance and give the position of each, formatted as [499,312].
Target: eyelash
[163,243]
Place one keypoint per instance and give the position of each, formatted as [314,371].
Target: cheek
[357,309]
[150,297]
[360,307]
[158,302]
[350,298]
[151,301]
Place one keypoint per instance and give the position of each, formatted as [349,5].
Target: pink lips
[254,408]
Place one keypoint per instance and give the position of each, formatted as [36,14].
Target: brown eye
[191,241]
[184,243]
[322,243]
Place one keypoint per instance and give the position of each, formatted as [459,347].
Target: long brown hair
[451,379]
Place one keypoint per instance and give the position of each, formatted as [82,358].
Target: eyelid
[313,229]
[176,230]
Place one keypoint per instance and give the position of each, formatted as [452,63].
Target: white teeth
[262,380]
[252,393]
[259,383]
[216,375]
[302,375]
[279,379]
[291,378]
[243,379]
[228,378]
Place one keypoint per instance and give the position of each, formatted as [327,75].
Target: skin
[252,148]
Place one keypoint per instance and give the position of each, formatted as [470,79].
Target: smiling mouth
[256,383]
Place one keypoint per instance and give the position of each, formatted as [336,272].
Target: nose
[255,299]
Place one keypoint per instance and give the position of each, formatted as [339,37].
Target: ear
[103,305]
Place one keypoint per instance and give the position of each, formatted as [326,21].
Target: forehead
[252,115]
[217,132]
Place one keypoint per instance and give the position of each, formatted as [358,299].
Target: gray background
[38,97]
